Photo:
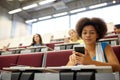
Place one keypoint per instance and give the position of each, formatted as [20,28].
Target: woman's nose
[87,34]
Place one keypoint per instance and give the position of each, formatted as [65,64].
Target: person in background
[20,45]
[96,53]
[52,39]
[5,48]
[117,29]
[117,32]
[37,40]
[66,39]
[74,38]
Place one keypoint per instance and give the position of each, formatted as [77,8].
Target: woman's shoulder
[105,45]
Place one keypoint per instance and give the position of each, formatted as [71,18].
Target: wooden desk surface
[109,39]
[66,44]
[62,68]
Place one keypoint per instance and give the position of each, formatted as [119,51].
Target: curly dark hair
[99,25]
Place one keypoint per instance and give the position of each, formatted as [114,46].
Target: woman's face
[72,33]
[89,34]
[36,38]
[117,30]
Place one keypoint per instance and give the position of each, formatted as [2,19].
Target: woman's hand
[72,59]
[84,59]
[80,58]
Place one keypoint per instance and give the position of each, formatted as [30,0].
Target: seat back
[52,45]
[32,59]
[117,51]
[111,36]
[8,60]
[58,58]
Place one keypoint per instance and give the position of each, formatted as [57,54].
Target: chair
[52,45]
[85,76]
[15,75]
[31,59]
[105,76]
[112,40]
[66,75]
[58,58]
[117,51]
[8,60]
[46,76]
[27,76]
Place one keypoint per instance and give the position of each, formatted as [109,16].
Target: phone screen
[80,49]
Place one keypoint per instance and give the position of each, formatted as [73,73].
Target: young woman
[96,53]
[37,40]
[74,38]
[117,29]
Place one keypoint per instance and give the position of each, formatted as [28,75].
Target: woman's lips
[87,39]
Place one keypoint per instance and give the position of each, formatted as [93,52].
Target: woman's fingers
[78,54]
[86,52]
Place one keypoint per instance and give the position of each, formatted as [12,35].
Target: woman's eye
[84,32]
[92,32]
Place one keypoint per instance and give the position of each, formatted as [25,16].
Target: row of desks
[61,68]
[81,72]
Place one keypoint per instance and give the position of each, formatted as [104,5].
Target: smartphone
[80,49]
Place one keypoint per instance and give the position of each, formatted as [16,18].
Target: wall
[11,26]
[19,28]
[110,27]
[27,40]
[5,24]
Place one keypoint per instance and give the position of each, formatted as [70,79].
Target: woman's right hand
[4,48]
[72,60]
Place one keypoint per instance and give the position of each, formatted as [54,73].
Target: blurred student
[37,40]
[52,39]
[96,53]
[20,45]
[5,48]
[74,38]
[117,29]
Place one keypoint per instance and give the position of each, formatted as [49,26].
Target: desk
[109,39]
[65,46]
[112,41]
[72,70]
[27,50]
[62,68]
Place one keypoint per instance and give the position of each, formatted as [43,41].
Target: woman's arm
[110,55]
[87,60]
[115,67]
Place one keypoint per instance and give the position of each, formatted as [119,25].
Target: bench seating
[53,58]
[58,58]
[34,59]
[117,51]
[30,59]
[8,60]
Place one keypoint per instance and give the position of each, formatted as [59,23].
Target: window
[51,25]
[109,14]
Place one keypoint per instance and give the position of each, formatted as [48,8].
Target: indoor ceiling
[57,6]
